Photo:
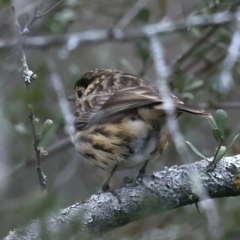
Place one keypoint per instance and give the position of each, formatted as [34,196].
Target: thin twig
[52,151]
[37,15]
[198,43]
[99,36]
[211,64]
[28,76]
[162,71]
[36,141]
[229,105]
[60,92]
[226,80]
[131,14]
[31,20]
[213,162]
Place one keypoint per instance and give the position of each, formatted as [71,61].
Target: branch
[37,15]
[226,80]
[105,35]
[37,149]
[162,191]
[131,14]
[60,92]
[28,77]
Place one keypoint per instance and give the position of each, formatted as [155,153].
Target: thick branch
[162,191]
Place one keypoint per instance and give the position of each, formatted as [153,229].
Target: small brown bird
[120,121]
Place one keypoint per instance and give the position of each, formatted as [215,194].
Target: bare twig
[226,80]
[28,76]
[37,15]
[203,38]
[198,43]
[31,20]
[40,15]
[168,189]
[36,141]
[99,36]
[210,65]
[60,92]
[162,74]
[52,151]
[213,162]
[229,105]
[131,14]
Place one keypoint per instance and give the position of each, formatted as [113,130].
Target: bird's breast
[127,140]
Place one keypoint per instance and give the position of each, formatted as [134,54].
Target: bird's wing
[121,100]
[108,104]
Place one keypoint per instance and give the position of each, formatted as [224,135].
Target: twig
[168,189]
[28,76]
[202,39]
[60,92]
[198,43]
[168,106]
[52,151]
[211,64]
[36,141]
[131,14]
[229,105]
[30,22]
[99,36]
[226,80]
[37,15]
[213,162]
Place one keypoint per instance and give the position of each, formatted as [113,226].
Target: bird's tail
[192,109]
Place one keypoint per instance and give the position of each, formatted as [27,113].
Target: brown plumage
[120,121]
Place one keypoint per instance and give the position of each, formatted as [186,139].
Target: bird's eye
[79,93]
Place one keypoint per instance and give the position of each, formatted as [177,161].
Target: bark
[170,188]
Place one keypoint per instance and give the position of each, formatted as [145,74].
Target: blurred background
[195,57]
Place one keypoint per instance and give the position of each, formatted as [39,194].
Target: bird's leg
[106,187]
[142,172]
[197,207]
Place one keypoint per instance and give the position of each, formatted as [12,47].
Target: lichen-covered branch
[165,190]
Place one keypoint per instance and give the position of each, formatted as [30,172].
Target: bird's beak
[71,98]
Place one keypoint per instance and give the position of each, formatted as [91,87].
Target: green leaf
[187,95]
[212,120]
[46,127]
[195,84]
[220,154]
[221,120]
[195,150]
[217,134]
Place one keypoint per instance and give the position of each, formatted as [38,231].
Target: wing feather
[124,99]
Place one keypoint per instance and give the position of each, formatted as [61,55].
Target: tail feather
[181,108]
[192,109]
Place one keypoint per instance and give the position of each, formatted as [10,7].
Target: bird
[120,121]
